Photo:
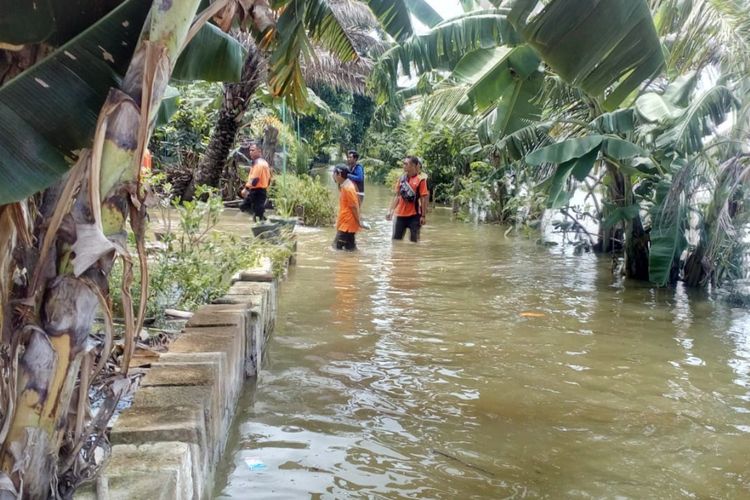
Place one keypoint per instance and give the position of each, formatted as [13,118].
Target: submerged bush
[305,197]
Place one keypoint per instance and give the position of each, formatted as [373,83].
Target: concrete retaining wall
[168,444]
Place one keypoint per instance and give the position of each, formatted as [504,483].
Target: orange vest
[260,171]
[347,199]
[408,208]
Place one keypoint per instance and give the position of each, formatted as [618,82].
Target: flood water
[472,365]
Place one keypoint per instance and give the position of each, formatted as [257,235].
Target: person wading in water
[348,222]
[410,202]
[356,173]
[255,191]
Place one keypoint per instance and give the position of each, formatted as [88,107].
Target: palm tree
[341,33]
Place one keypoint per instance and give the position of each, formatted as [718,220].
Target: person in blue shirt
[356,173]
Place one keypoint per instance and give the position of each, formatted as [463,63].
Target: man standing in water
[348,221]
[410,202]
[256,187]
[356,173]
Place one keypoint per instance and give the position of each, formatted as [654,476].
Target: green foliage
[189,129]
[193,261]
[305,197]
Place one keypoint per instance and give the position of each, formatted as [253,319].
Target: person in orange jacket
[255,191]
[410,201]
[348,222]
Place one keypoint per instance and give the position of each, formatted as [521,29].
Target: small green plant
[192,263]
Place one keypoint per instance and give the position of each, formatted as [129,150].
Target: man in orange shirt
[256,187]
[348,221]
[410,202]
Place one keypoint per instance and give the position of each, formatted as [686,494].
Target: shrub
[305,197]
[177,266]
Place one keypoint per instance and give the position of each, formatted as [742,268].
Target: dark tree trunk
[270,143]
[236,99]
[636,238]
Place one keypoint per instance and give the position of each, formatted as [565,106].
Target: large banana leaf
[211,55]
[562,152]
[491,71]
[593,44]
[50,111]
[394,16]
[667,233]
[445,44]
[517,108]
[51,21]
[424,12]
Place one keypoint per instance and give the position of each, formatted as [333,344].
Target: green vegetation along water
[475,366]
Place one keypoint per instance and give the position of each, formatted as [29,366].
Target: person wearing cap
[348,222]
[410,202]
[356,173]
[255,191]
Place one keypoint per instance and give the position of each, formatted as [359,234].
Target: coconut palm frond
[440,106]
[324,68]
[352,13]
[703,32]
[563,101]
[523,141]
[326,28]
[699,120]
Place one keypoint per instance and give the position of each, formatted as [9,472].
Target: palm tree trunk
[237,97]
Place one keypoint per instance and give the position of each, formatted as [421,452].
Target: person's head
[411,166]
[253,150]
[351,157]
[340,174]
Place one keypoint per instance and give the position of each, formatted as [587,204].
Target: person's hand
[389,216]
[364,225]
[243,193]
[422,220]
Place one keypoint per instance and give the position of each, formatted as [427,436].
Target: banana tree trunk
[237,97]
[78,245]
[636,244]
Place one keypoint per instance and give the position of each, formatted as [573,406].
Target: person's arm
[389,215]
[355,210]
[357,174]
[424,202]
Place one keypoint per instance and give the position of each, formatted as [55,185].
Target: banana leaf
[667,235]
[169,105]
[394,16]
[424,12]
[593,44]
[50,110]
[621,121]
[565,151]
[491,71]
[51,21]
[211,55]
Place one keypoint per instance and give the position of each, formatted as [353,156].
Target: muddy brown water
[472,365]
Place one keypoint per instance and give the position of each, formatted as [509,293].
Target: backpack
[405,190]
[408,193]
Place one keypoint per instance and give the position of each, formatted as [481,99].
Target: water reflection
[477,366]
